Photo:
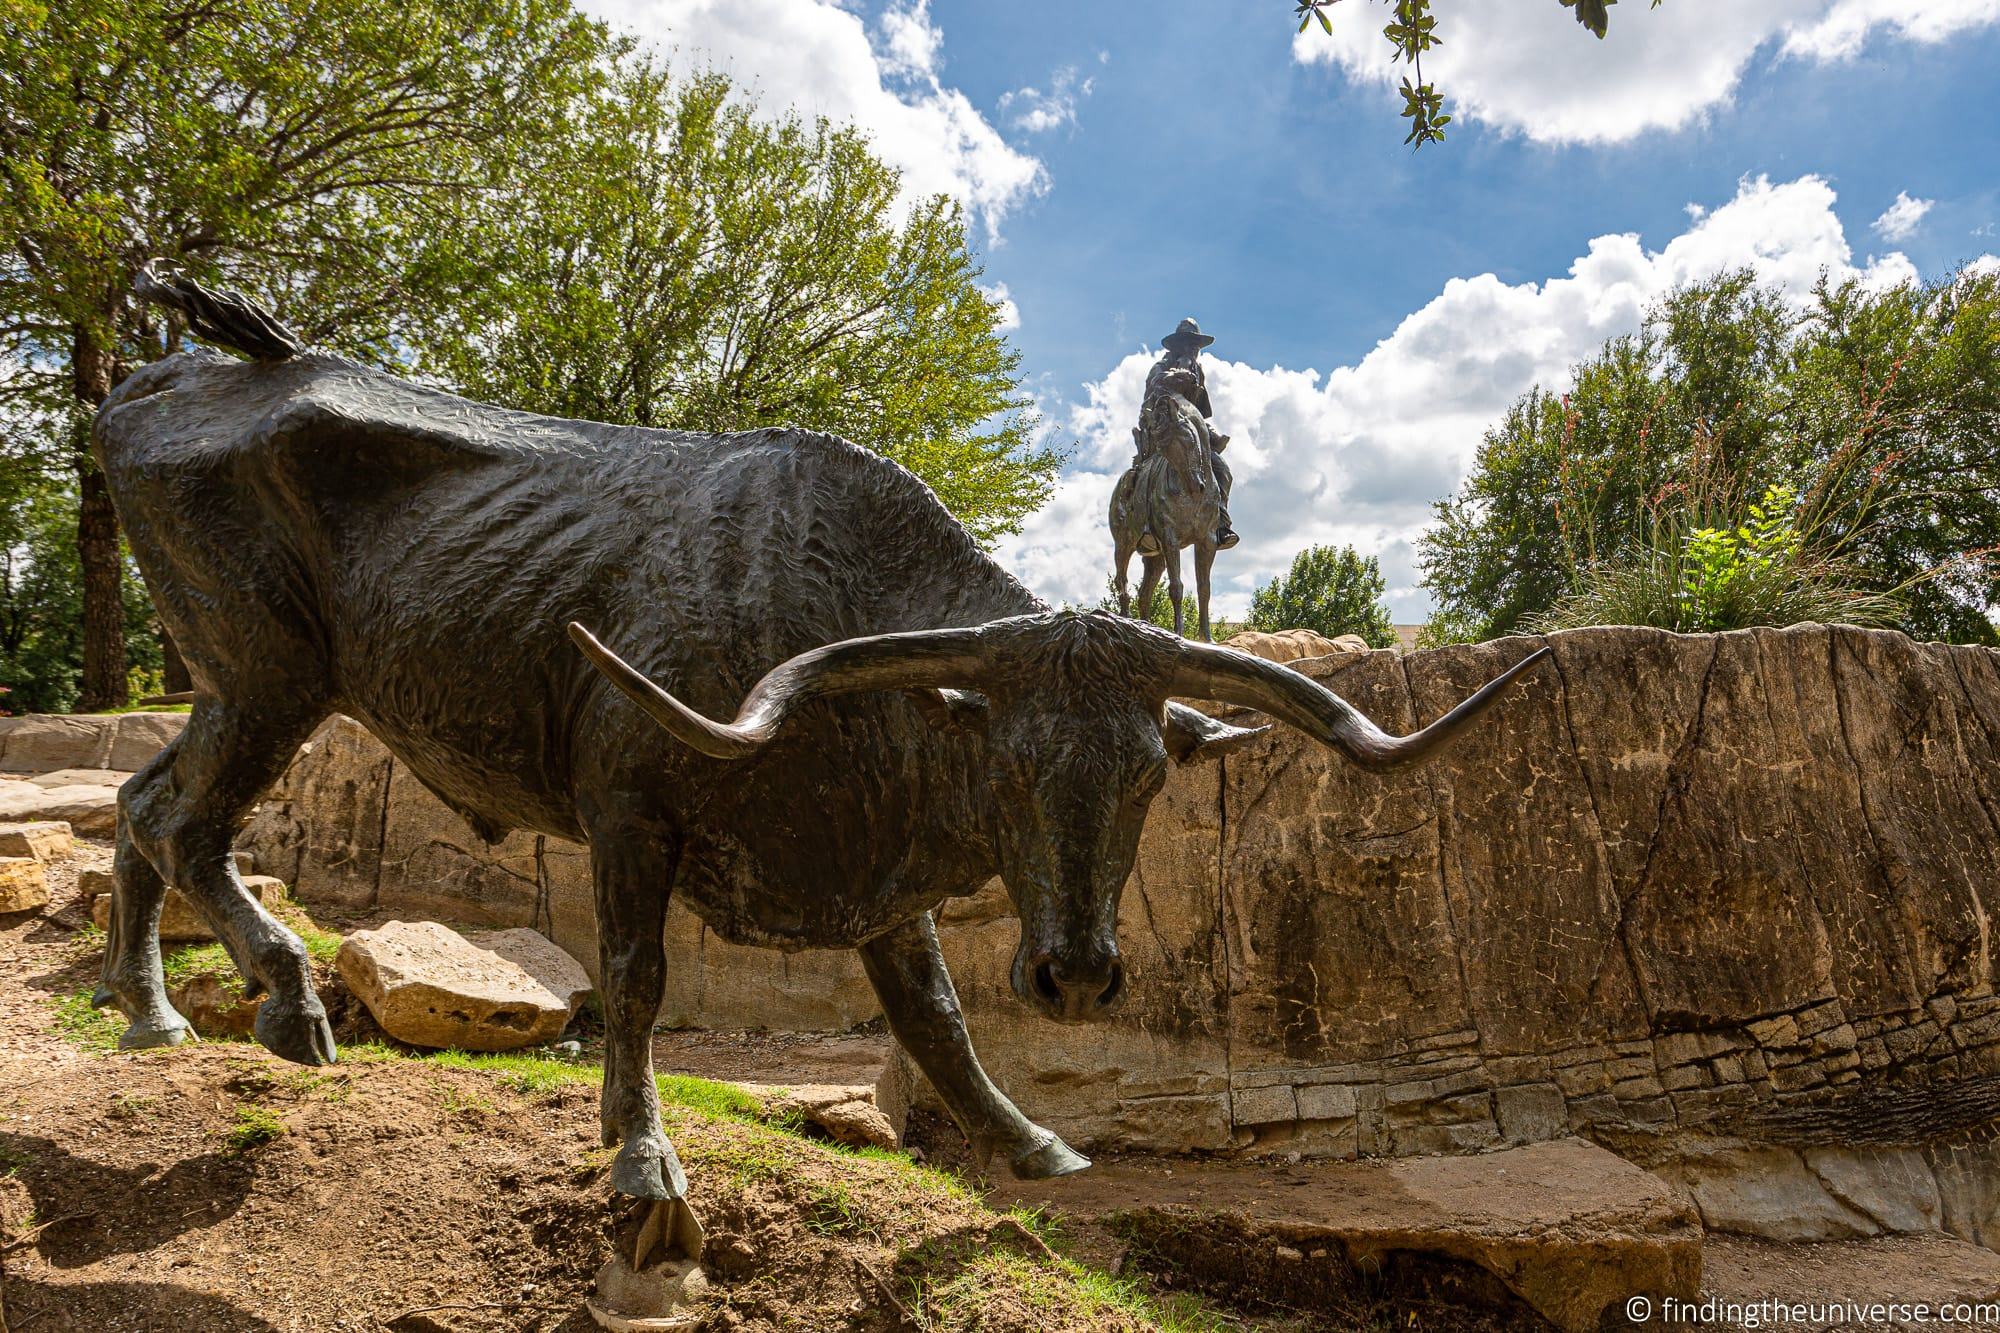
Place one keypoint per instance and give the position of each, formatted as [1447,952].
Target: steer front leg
[632,885]
[917,997]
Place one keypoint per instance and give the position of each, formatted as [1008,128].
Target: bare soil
[214,1188]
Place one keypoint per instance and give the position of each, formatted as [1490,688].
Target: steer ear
[1193,736]
[962,709]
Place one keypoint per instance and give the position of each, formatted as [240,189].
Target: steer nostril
[1045,982]
[1109,996]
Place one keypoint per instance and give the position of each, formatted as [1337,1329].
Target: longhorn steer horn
[1210,671]
[934,658]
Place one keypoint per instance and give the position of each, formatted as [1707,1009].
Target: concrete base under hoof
[654,1275]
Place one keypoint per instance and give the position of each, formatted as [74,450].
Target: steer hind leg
[633,879]
[182,822]
[916,992]
[132,978]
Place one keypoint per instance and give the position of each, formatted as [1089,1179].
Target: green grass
[86,1026]
[539,1075]
[833,1210]
[212,959]
[185,964]
[535,1075]
[707,1098]
[1062,1288]
[255,1126]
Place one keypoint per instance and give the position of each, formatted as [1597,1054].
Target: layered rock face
[1672,886]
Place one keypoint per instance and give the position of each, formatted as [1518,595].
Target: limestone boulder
[23,885]
[140,736]
[44,742]
[430,986]
[42,839]
[48,743]
[84,798]
[180,923]
[1294,645]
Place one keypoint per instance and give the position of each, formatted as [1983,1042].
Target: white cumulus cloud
[1010,313]
[1357,455]
[1899,220]
[1527,67]
[818,59]
[1038,112]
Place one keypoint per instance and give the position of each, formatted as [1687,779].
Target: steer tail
[228,319]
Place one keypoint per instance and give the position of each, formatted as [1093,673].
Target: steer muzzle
[1069,990]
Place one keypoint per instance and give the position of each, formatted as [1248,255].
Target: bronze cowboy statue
[1176,493]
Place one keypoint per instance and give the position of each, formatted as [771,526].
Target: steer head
[1078,729]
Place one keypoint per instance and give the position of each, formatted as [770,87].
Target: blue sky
[1375,308]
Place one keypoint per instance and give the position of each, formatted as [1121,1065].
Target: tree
[320,155]
[40,587]
[1329,590]
[720,270]
[1412,32]
[1160,613]
[1877,412]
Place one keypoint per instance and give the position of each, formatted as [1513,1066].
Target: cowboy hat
[1187,332]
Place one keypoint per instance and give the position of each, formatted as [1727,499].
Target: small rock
[44,839]
[428,985]
[215,1006]
[23,886]
[857,1124]
[847,1113]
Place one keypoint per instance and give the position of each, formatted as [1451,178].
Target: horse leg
[1204,561]
[1122,566]
[1149,583]
[1173,551]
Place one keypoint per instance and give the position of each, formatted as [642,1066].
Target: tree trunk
[97,547]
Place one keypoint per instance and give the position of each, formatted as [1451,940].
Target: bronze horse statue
[1171,492]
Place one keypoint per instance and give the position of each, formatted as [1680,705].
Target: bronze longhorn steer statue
[908,719]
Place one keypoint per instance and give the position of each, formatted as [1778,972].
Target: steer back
[312,525]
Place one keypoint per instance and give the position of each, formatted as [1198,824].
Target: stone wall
[1675,884]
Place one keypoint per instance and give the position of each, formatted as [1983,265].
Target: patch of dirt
[214,1188]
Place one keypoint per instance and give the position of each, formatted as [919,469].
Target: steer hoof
[168,1029]
[298,1033]
[646,1168]
[1048,1160]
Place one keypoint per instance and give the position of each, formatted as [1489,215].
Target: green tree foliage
[41,589]
[714,269]
[497,195]
[1332,590]
[1873,415]
[318,155]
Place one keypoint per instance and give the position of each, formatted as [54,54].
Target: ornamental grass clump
[1698,577]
